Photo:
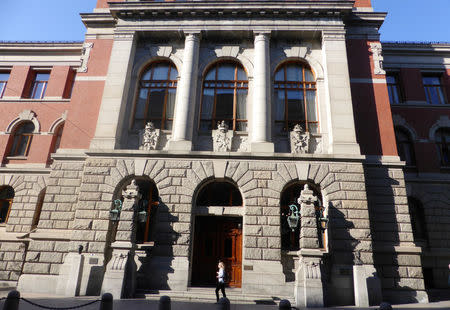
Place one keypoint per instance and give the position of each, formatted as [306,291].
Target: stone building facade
[204,181]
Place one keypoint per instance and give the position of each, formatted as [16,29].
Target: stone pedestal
[70,275]
[366,285]
[308,280]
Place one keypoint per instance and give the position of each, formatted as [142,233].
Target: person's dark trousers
[220,286]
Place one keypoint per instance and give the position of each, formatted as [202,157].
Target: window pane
[22,145]
[170,105]
[309,76]
[391,79]
[146,75]
[224,104]
[279,76]
[311,105]
[140,105]
[241,75]
[241,126]
[156,103]
[37,90]
[211,75]
[173,73]
[226,72]
[296,109]
[241,98]
[4,76]
[42,76]
[431,80]
[279,105]
[294,73]
[27,127]
[160,71]
[207,103]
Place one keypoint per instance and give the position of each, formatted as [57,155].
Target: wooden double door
[217,238]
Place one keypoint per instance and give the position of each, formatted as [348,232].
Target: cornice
[98,20]
[415,47]
[146,9]
[373,19]
[42,46]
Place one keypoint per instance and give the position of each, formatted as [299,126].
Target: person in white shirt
[220,280]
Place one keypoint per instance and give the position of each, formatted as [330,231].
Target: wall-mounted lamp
[294,217]
[114,213]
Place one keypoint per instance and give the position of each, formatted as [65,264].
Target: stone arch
[399,121]
[25,115]
[301,54]
[225,53]
[59,121]
[443,121]
[143,63]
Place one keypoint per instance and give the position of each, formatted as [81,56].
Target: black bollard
[107,302]
[284,305]
[12,301]
[164,303]
[385,306]
[223,304]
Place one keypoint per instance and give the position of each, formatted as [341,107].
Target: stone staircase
[207,295]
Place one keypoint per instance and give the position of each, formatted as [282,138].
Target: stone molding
[443,121]
[86,52]
[25,115]
[399,121]
[217,53]
[58,122]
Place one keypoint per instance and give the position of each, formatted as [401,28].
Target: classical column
[115,93]
[260,134]
[342,136]
[120,275]
[185,100]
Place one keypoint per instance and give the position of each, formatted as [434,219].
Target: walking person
[220,284]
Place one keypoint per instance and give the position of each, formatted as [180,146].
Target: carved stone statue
[149,137]
[299,140]
[222,137]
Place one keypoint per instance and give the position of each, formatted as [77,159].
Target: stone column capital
[333,35]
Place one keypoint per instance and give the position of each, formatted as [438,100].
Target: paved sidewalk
[140,304]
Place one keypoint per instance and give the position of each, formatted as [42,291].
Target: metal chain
[59,308]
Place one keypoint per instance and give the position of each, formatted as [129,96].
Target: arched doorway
[217,237]
[6,198]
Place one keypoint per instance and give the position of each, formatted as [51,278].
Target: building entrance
[217,238]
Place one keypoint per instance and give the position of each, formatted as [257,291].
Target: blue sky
[59,20]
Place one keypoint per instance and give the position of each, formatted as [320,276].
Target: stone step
[208,295]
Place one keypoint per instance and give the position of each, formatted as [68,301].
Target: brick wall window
[6,199]
[394,90]
[4,77]
[443,145]
[156,96]
[225,88]
[405,147]
[39,84]
[418,224]
[434,90]
[22,137]
[295,98]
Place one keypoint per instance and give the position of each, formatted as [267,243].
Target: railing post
[223,304]
[107,302]
[164,303]
[12,301]
[284,305]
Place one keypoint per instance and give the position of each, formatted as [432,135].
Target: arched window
[418,222]
[37,211]
[22,137]
[405,147]
[6,199]
[290,239]
[219,194]
[225,88]
[57,138]
[443,145]
[156,96]
[295,98]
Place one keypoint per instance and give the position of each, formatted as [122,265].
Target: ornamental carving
[299,140]
[377,58]
[312,270]
[149,137]
[222,138]
[85,56]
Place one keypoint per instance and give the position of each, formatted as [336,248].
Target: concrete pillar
[261,120]
[185,101]
[341,124]
[115,94]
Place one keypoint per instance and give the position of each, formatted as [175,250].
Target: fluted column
[260,134]
[185,101]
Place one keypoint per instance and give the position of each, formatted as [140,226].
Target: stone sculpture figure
[299,140]
[222,138]
[149,137]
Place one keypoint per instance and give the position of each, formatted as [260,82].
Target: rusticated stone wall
[12,255]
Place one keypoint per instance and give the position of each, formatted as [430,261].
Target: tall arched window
[443,145]
[6,199]
[156,96]
[418,222]
[295,98]
[225,88]
[405,147]
[22,137]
